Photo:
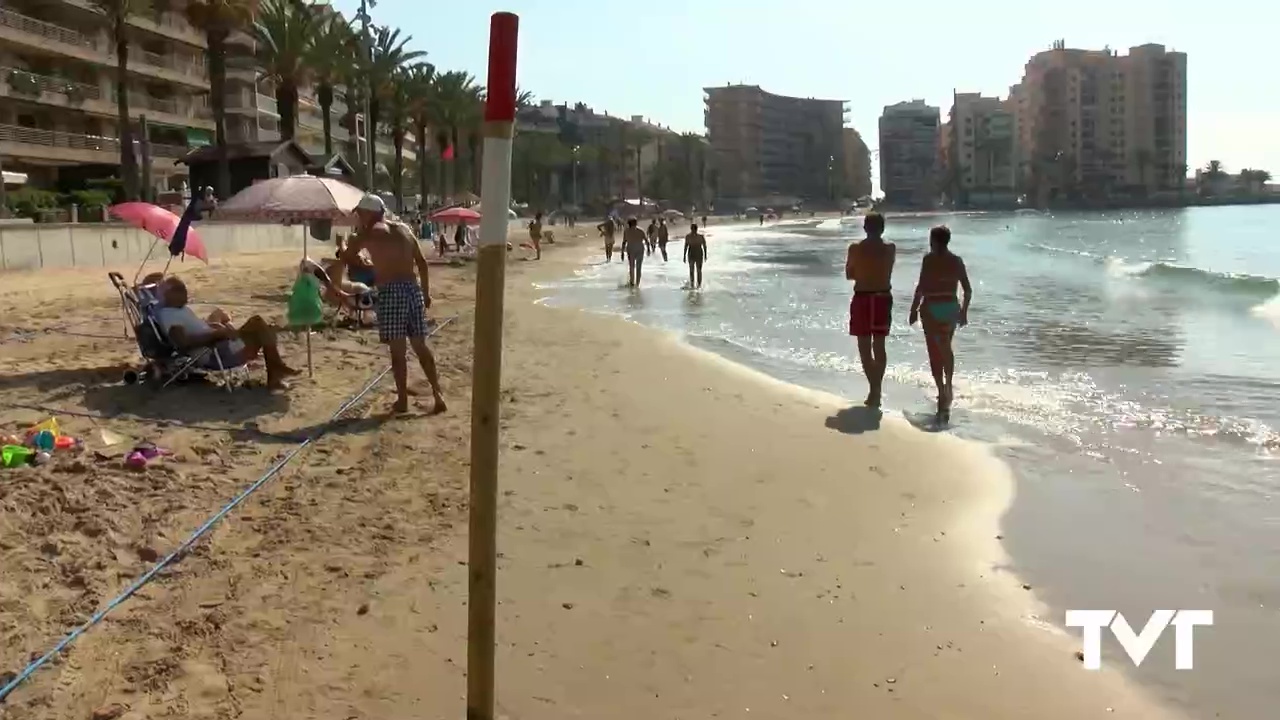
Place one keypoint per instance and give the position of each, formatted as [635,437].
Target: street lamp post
[366,47]
[575,177]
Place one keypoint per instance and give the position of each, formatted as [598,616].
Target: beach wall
[68,245]
[30,246]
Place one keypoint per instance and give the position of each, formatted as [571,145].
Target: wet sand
[679,537]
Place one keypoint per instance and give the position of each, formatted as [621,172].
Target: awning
[14,178]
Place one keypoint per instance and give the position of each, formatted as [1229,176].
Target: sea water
[1126,364]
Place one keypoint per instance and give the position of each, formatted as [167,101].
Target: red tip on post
[500,99]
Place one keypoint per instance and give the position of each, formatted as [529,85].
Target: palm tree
[218,18]
[117,13]
[389,56]
[329,55]
[420,84]
[458,105]
[284,31]
[399,116]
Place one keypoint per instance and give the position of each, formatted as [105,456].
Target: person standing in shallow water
[664,236]
[869,265]
[941,272]
[634,245]
[607,230]
[695,252]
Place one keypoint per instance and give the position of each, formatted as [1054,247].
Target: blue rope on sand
[195,536]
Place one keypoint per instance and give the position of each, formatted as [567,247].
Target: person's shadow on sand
[856,420]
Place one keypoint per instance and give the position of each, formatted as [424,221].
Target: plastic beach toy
[51,425]
[44,440]
[66,442]
[142,454]
[16,455]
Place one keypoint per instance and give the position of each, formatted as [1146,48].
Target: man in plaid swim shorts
[403,298]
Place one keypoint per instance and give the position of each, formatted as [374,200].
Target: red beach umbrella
[455,215]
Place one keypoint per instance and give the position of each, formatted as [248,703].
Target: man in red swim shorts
[870,266]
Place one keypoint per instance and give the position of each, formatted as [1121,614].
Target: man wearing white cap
[402,297]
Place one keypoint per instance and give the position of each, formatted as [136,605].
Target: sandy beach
[680,537]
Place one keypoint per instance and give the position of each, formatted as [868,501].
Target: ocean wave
[1064,251]
[1234,283]
[1268,310]
[1067,405]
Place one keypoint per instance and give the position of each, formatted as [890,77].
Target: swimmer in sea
[940,273]
[869,265]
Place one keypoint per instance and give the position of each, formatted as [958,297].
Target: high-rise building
[909,154]
[981,150]
[1092,122]
[857,165]
[771,148]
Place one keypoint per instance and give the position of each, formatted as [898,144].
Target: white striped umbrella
[295,199]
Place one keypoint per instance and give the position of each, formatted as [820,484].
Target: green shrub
[90,198]
[30,202]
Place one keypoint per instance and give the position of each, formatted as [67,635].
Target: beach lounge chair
[163,363]
[355,308]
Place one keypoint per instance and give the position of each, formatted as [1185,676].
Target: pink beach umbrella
[161,223]
[295,199]
[455,215]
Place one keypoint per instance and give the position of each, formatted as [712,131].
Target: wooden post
[486,381]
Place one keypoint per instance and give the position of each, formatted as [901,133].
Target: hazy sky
[653,57]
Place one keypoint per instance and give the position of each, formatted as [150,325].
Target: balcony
[23,83]
[169,24]
[47,38]
[72,148]
[92,99]
[267,104]
[58,146]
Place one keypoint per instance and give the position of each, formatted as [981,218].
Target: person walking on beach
[633,245]
[870,266]
[607,230]
[695,252]
[402,298]
[941,272]
[535,236]
[652,233]
[664,236]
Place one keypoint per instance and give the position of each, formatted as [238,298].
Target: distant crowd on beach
[637,244]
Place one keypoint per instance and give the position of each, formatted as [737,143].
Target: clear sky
[653,57]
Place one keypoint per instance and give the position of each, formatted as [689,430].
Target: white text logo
[1137,645]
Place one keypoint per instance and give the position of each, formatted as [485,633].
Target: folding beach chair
[355,308]
[163,363]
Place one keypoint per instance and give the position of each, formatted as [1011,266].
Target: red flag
[447,154]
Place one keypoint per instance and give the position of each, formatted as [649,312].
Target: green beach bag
[306,308]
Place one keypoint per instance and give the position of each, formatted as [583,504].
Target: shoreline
[680,535]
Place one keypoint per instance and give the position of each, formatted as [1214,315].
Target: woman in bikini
[940,274]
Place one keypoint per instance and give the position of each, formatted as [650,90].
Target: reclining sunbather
[355,297]
[233,346]
[358,267]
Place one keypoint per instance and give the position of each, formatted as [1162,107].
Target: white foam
[1269,310]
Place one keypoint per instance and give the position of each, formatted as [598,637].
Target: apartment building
[774,149]
[980,153]
[857,165]
[57,81]
[57,94]
[1094,122]
[909,154]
